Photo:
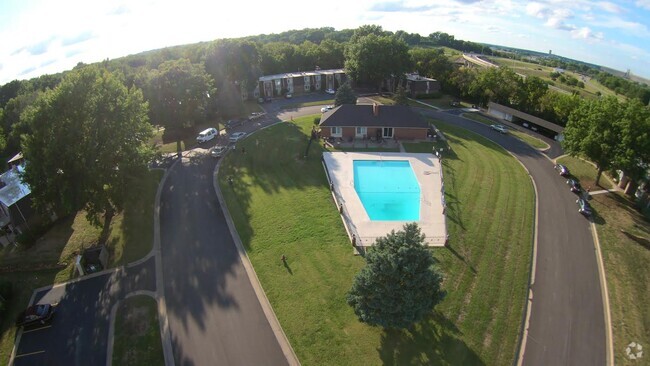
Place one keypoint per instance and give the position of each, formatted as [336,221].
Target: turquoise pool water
[388,189]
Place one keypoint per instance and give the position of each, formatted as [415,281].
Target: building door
[387,133]
[361,132]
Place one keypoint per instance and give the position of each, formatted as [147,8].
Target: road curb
[531,276]
[609,338]
[163,321]
[281,337]
[111,323]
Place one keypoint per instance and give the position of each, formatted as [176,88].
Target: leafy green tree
[557,107]
[179,94]
[431,62]
[232,61]
[87,144]
[633,152]
[531,92]
[500,85]
[345,95]
[372,59]
[399,284]
[368,29]
[400,96]
[330,55]
[593,131]
[461,81]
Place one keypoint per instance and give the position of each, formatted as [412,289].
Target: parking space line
[32,330]
[30,354]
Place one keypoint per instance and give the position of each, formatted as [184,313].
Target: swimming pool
[388,189]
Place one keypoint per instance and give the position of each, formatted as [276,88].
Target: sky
[44,37]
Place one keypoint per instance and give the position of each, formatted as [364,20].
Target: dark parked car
[563,170]
[583,207]
[36,314]
[574,185]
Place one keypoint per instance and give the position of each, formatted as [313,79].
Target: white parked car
[218,151]
[207,135]
[499,128]
[326,108]
[237,136]
[330,91]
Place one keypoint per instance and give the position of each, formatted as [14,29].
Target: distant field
[529,69]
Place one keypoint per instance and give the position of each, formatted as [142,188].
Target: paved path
[79,333]
[567,323]
[214,315]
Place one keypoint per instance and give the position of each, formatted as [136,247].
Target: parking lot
[78,333]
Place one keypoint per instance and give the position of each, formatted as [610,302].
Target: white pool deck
[339,167]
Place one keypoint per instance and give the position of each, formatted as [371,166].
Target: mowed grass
[137,333]
[281,204]
[530,69]
[309,104]
[626,259]
[585,172]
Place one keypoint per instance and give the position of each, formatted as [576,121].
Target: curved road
[214,315]
[567,321]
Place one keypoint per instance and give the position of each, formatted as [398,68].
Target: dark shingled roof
[350,115]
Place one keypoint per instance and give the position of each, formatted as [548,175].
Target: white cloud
[643,4]
[586,33]
[609,7]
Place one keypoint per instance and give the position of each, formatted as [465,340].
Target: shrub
[5,297]
[316,120]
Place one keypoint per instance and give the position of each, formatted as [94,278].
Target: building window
[336,131]
[361,132]
[307,83]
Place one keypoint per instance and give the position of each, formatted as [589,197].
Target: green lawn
[137,333]
[626,259]
[308,104]
[382,100]
[444,102]
[130,237]
[530,140]
[585,173]
[529,69]
[281,204]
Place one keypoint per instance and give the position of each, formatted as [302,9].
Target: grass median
[281,205]
[137,333]
[585,172]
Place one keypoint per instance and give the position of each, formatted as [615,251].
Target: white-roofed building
[15,204]
[270,86]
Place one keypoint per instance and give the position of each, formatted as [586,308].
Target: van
[207,135]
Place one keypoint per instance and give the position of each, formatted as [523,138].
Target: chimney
[375,109]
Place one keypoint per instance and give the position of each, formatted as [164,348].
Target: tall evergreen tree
[345,95]
[399,284]
[400,96]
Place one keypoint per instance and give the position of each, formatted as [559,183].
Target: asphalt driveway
[214,315]
[567,323]
[78,334]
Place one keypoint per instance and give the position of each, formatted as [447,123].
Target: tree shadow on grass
[434,341]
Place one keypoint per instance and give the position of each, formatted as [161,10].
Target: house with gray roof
[15,204]
[373,122]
